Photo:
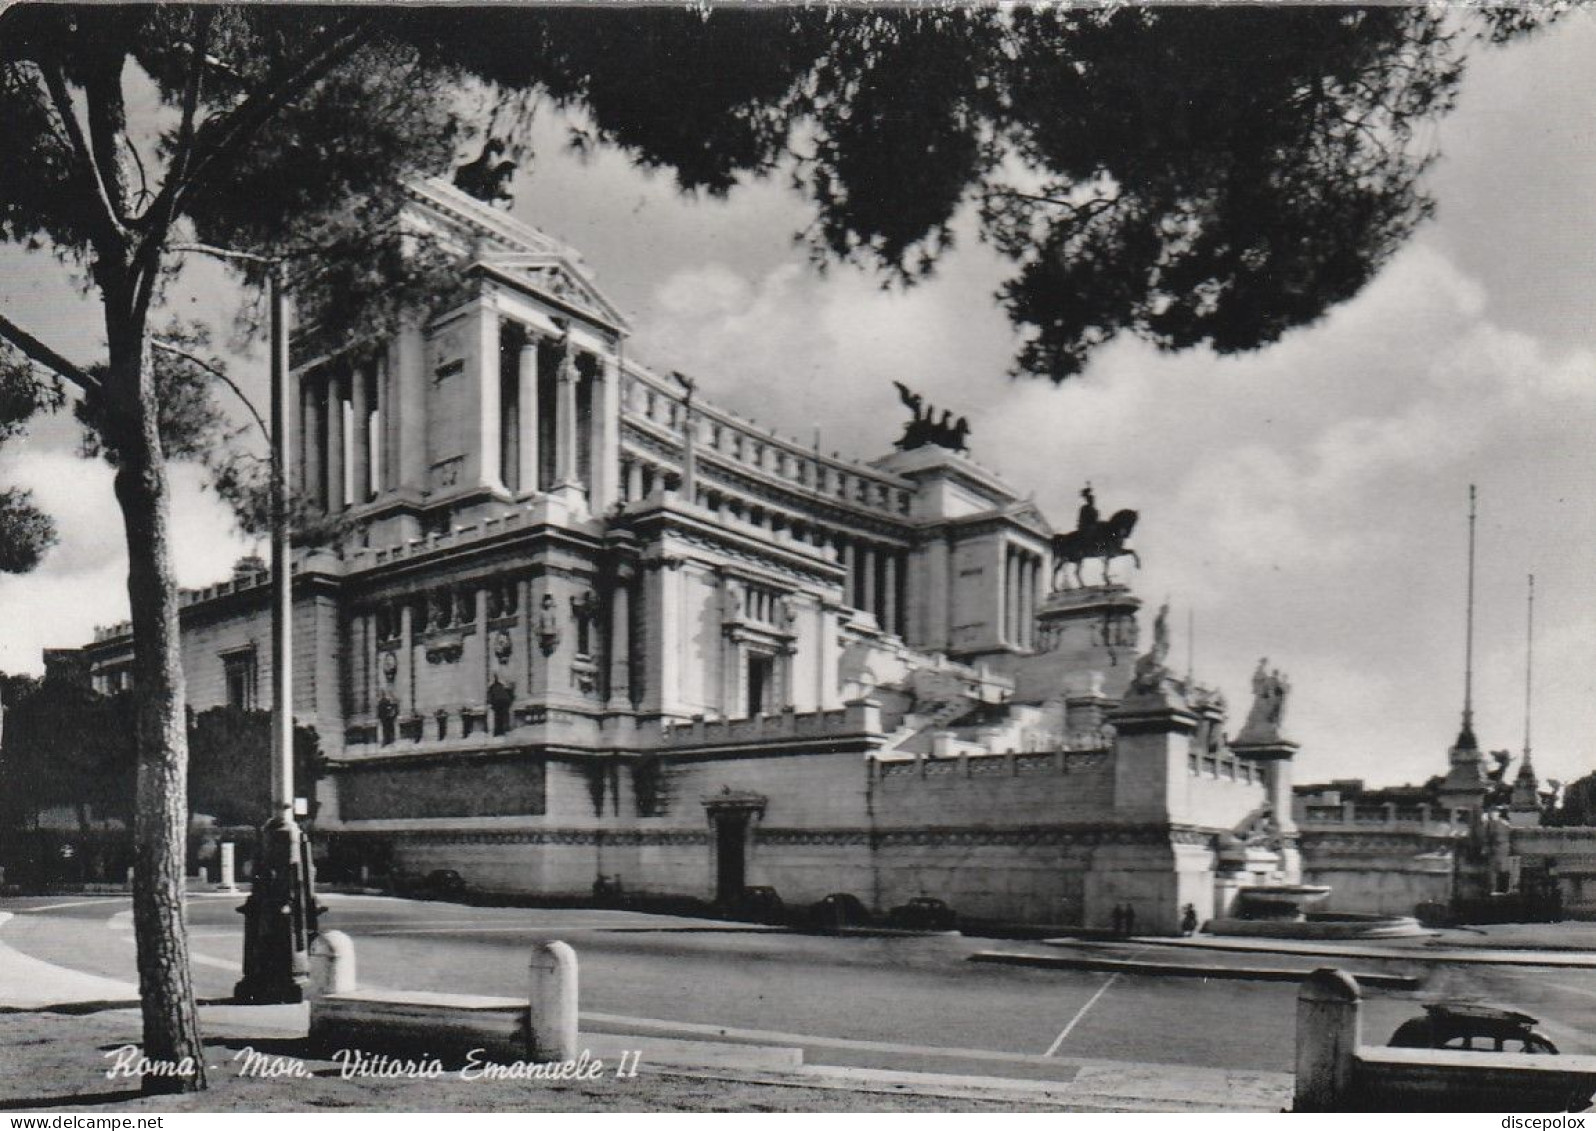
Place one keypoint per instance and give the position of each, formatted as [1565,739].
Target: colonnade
[538,408]
[344,457]
[1022,572]
[545,434]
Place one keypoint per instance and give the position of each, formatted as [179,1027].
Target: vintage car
[923,913]
[1471,1026]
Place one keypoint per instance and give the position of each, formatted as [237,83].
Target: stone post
[1329,1029]
[552,1002]
[226,880]
[332,964]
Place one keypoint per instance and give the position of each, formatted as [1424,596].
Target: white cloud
[82,582]
[1308,500]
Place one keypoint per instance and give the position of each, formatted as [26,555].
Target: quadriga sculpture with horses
[1104,541]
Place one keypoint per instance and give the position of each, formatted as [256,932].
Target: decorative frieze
[686,838]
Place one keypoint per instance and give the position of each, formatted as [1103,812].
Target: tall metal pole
[282,581]
[1529,668]
[280,914]
[1466,740]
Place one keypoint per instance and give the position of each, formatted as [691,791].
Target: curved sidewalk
[1477,955]
[30,983]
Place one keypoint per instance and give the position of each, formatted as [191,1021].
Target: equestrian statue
[1093,538]
[923,430]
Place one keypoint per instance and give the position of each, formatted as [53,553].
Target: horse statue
[1105,541]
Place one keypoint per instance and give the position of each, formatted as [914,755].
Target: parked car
[760,904]
[1474,1027]
[923,913]
[839,909]
[442,883]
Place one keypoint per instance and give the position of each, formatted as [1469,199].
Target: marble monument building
[588,630]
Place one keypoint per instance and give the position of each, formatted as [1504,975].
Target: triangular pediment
[503,245]
[1027,515]
[559,281]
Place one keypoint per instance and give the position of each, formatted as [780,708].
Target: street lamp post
[280,913]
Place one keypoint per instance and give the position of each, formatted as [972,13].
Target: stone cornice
[675,520]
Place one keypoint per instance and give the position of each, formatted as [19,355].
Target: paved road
[845,995]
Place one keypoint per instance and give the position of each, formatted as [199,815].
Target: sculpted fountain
[1280,909]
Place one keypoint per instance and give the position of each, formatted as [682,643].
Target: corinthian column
[527,395]
[360,435]
[567,485]
[620,697]
[336,482]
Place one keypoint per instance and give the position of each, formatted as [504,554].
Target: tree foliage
[230,764]
[66,745]
[1189,176]
[1186,176]
[26,532]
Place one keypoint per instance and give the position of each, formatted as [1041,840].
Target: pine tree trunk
[160,827]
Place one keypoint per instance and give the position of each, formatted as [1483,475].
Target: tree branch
[87,170]
[1084,211]
[179,351]
[183,152]
[235,128]
[37,351]
[102,95]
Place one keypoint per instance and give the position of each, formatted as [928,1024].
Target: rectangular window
[238,676]
[761,685]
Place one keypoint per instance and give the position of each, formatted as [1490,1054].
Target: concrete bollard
[332,964]
[552,1002]
[1329,1029]
[226,881]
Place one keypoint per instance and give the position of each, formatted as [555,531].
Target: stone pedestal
[1274,757]
[1153,729]
[1078,631]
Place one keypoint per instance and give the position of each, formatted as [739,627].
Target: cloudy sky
[1307,503]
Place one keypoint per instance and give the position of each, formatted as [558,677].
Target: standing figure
[1188,920]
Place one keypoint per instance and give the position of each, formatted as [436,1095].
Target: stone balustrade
[649,401]
[1007,764]
[1383,815]
[1224,766]
[859,717]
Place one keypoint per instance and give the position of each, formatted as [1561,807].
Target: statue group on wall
[1270,689]
[923,429]
[487,178]
[1152,666]
[1092,538]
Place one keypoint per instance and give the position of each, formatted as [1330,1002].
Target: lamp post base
[279,918]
